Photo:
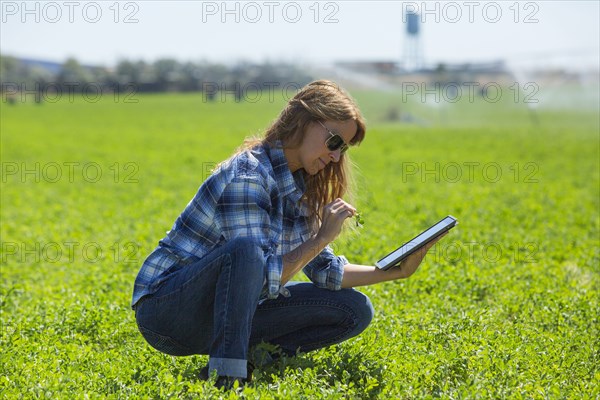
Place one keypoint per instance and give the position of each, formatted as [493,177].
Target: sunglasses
[334,141]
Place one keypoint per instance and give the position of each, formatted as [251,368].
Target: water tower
[413,53]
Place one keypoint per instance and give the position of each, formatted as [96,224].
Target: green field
[506,306]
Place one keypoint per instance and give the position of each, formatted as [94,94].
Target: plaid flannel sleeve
[244,210]
[326,270]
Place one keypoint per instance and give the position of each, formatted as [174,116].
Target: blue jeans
[211,307]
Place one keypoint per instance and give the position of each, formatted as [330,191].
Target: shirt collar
[288,184]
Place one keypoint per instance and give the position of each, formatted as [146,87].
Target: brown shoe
[203,374]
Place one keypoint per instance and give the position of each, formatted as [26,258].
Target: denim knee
[249,255]
[247,247]
[363,309]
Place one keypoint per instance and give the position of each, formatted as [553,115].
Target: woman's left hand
[412,262]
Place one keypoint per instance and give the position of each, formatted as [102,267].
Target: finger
[434,241]
[334,203]
[439,237]
[330,205]
[338,205]
[344,206]
[442,235]
[429,245]
[347,213]
[343,214]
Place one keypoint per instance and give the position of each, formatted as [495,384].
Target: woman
[219,282]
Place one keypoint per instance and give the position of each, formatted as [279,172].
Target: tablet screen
[414,244]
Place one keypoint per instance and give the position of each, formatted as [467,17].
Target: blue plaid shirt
[255,195]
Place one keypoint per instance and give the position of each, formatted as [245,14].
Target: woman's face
[313,154]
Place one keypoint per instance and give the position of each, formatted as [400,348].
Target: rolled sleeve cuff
[336,273]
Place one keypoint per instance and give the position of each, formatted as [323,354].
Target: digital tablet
[396,256]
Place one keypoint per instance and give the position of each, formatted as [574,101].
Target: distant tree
[104,76]
[127,71]
[162,75]
[74,74]
[39,75]
[136,73]
[214,73]
[190,77]
[168,74]
[18,76]
[10,70]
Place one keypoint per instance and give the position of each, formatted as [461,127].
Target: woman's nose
[335,155]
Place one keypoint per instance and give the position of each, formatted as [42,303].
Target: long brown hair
[317,101]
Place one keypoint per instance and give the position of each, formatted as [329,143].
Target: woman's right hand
[334,215]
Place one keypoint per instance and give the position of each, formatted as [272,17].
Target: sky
[526,34]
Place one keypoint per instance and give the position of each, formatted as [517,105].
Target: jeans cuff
[228,367]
